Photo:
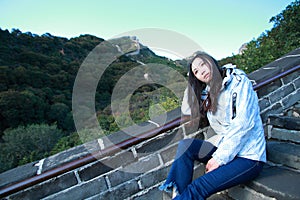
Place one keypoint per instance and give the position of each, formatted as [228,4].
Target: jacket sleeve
[241,122]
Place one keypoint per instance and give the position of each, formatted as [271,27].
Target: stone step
[287,154]
[242,192]
[273,183]
[285,122]
[284,134]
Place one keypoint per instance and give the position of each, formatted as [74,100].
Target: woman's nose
[202,72]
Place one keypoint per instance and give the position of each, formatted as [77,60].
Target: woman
[237,154]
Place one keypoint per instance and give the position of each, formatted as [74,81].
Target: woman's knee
[183,146]
[189,147]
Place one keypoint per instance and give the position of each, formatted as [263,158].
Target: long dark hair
[201,101]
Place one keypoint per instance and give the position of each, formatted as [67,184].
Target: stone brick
[291,123]
[286,135]
[286,153]
[121,159]
[154,177]
[291,77]
[121,192]
[96,169]
[119,177]
[291,99]
[297,83]
[277,182]
[154,194]
[161,142]
[246,193]
[269,88]
[81,191]
[281,93]
[199,135]
[127,133]
[47,188]
[169,154]
[275,109]
[144,164]
[67,156]
[264,103]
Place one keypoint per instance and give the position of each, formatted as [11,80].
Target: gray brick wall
[136,172]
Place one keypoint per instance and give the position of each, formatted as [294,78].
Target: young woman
[237,154]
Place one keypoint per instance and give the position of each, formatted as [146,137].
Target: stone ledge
[19,173]
[80,191]
[286,122]
[277,182]
[285,135]
[121,192]
[285,153]
[47,188]
[242,192]
[282,64]
[160,142]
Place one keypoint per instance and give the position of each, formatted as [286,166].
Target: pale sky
[220,27]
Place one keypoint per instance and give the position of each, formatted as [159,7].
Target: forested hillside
[36,83]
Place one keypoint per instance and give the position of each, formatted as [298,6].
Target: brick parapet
[113,177]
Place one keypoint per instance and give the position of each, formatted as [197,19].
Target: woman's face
[201,70]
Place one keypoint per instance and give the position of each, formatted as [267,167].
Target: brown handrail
[87,159]
[278,76]
[6,191]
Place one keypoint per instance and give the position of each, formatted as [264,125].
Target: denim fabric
[237,171]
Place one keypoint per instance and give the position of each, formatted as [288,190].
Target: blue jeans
[239,170]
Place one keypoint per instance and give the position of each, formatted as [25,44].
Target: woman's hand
[212,164]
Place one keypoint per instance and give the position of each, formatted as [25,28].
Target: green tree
[58,113]
[270,45]
[66,142]
[27,144]
[20,108]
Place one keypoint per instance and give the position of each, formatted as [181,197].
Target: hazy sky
[220,27]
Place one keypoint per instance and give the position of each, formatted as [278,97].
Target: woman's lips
[206,76]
